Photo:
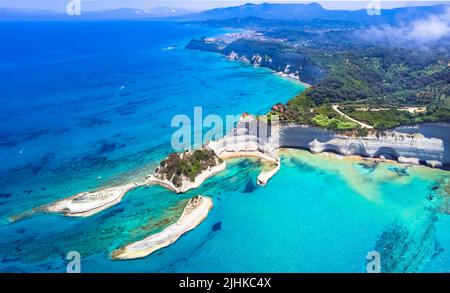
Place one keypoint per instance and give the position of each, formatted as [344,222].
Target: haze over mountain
[122,13]
[314,11]
[265,10]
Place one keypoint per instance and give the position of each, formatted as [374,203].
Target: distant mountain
[123,13]
[313,11]
[166,12]
[262,11]
[7,14]
[265,10]
[129,13]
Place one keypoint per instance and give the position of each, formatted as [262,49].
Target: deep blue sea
[89,104]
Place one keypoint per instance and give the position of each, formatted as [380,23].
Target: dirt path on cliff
[363,125]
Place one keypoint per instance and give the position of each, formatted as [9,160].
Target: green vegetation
[186,165]
[389,77]
[333,123]
[383,119]
[393,117]
[347,68]
[373,75]
[326,117]
[434,114]
[383,77]
[303,110]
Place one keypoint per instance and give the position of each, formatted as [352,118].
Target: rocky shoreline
[390,145]
[404,148]
[262,51]
[243,141]
[412,149]
[186,184]
[86,204]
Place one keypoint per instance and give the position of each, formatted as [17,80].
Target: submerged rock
[405,249]
[216,227]
[5,195]
[399,171]
[368,167]
[250,186]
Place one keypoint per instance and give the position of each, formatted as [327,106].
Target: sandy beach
[194,213]
[243,154]
[187,185]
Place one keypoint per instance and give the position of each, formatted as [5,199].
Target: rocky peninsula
[86,204]
[194,213]
[179,173]
[255,137]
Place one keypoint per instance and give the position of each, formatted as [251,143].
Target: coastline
[290,78]
[86,204]
[284,76]
[226,155]
[361,174]
[362,159]
[403,147]
[89,203]
[112,145]
[188,185]
[410,150]
[195,211]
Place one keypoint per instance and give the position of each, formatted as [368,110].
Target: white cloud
[421,32]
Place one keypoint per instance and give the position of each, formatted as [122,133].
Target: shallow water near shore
[89,122]
[310,217]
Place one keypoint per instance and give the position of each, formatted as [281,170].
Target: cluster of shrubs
[303,110]
[186,165]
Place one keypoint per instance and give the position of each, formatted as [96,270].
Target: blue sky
[59,5]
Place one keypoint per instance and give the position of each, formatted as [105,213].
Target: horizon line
[401,4]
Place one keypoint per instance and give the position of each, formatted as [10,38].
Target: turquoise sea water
[87,105]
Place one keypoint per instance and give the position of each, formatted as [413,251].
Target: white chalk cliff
[406,148]
[255,138]
[252,135]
